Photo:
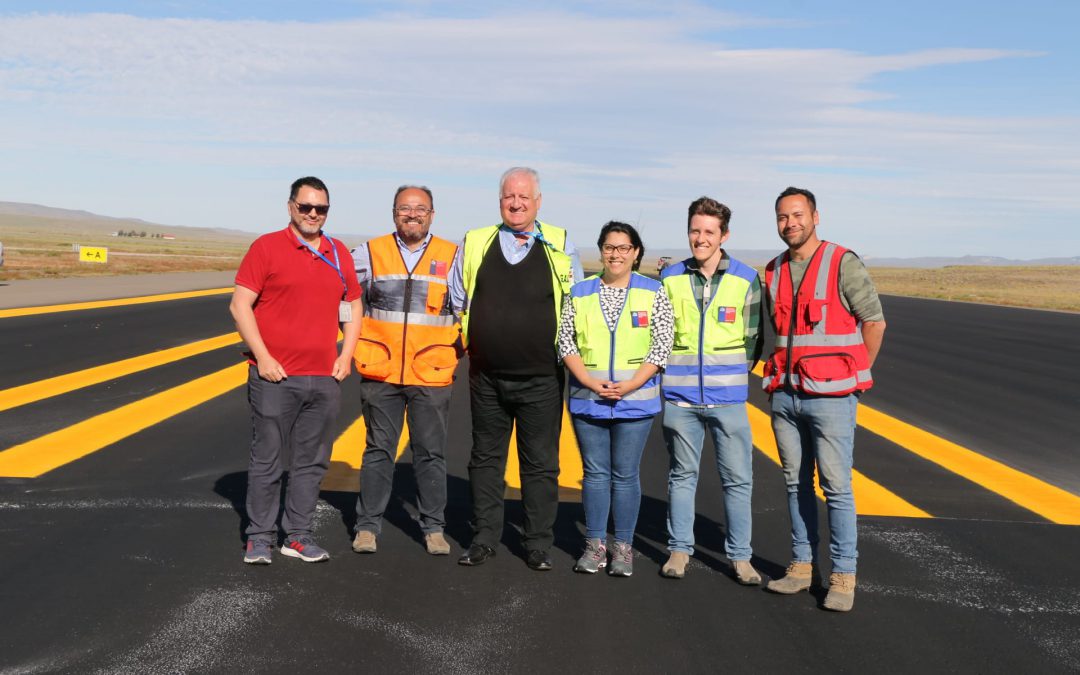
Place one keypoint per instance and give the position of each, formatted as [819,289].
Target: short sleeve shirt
[299,294]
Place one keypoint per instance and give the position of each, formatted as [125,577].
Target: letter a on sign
[94,254]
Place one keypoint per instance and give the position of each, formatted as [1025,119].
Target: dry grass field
[1052,287]
[39,247]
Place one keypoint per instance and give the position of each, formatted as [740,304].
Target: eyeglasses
[304,209]
[623,249]
[418,210]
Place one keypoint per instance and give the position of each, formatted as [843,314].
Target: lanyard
[536,233]
[337,262]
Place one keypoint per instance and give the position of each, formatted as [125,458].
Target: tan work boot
[436,543]
[364,542]
[745,573]
[797,578]
[675,567]
[841,594]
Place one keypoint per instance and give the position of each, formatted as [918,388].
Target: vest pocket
[831,374]
[436,297]
[372,359]
[435,364]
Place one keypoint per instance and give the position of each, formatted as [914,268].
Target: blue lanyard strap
[337,261]
[536,233]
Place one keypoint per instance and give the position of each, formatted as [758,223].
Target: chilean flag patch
[639,319]
[438,268]
[725,314]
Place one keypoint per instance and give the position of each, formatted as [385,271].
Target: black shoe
[539,561]
[477,554]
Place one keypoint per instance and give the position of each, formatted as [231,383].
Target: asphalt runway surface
[128,557]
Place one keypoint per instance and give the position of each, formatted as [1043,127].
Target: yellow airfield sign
[94,254]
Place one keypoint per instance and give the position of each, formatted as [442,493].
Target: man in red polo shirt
[293,289]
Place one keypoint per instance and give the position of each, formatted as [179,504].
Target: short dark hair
[707,206]
[794,192]
[628,230]
[307,181]
[424,188]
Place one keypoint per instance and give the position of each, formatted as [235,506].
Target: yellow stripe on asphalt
[43,454]
[119,302]
[348,455]
[1050,502]
[62,384]
[871,498]
[571,471]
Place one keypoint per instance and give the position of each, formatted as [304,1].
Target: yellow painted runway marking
[871,498]
[570,470]
[119,302]
[45,453]
[348,455]
[62,384]
[1050,502]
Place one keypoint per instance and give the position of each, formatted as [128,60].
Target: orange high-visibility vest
[408,334]
[819,346]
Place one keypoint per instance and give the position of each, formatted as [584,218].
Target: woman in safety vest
[615,334]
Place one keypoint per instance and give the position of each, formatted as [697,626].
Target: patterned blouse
[661,323]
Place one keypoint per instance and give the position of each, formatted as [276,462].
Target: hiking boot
[303,546]
[745,573]
[797,578]
[622,560]
[257,552]
[364,542]
[593,559]
[841,594]
[434,541]
[675,567]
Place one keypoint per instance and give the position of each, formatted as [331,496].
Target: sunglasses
[304,209]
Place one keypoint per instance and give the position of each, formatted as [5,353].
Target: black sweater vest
[512,315]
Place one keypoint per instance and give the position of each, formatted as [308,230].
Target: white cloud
[631,114]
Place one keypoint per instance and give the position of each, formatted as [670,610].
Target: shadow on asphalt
[650,538]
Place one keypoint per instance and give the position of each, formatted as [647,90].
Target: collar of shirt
[525,239]
[405,247]
[324,241]
[721,267]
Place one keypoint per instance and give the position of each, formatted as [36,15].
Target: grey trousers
[427,410]
[297,412]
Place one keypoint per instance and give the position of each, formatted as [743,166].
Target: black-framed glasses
[405,210]
[623,249]
[304,209]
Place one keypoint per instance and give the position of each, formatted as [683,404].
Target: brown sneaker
[364,542]
[436,543]
[675,567]
[745,573]
[797,578]
[841,592]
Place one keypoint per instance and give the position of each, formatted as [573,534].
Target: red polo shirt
[297,307]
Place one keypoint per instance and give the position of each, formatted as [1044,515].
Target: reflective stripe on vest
[476,245]
[614,354]
[408,333]
[819,346]
[708,365]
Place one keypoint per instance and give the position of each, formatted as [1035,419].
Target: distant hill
[980,260]
[99,223]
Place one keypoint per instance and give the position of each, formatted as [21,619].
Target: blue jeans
[818,430]
[611,456]
[684,431]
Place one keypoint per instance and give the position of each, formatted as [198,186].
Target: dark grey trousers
[298,413]
[427,411]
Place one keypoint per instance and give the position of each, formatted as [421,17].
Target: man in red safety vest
[829,327]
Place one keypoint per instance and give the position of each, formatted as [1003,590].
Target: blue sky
[925,128]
